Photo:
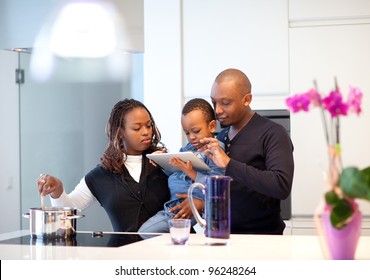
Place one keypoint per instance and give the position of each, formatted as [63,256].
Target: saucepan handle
[71,217]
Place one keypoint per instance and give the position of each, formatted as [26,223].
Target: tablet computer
[162,159]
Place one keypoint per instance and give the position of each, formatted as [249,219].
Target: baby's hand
[184,166]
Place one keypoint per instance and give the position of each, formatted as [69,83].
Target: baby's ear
[212,126]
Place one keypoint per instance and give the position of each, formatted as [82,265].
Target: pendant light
[82,41]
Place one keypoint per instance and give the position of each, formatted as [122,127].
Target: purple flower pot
[342,243]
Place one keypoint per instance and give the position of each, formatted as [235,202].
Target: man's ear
[247,99]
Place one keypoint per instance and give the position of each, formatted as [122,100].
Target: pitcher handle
[196,214]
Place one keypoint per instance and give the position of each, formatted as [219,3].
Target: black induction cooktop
[92,239]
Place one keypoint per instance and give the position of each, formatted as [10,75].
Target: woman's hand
[49,185]
[184,210]
[163,150]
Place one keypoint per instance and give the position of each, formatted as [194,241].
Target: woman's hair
[199,104]
[114,156]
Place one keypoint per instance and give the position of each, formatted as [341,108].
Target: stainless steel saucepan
[53,222]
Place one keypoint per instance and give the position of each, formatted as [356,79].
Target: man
[258,156]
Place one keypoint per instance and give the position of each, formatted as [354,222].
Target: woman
[127,186]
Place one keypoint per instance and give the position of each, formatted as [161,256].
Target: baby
[198,121]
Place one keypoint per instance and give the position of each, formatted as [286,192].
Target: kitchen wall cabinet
[248,35]
[333,48]
[304,12]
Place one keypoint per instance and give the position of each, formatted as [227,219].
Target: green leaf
[355,183]
[331,198]
[366,174]
[341,211]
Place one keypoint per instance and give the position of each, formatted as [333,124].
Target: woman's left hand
[162,151]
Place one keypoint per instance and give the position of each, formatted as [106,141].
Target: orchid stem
[337,127]
[326,132]
[323,116]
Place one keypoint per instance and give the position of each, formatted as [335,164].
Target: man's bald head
[236,76]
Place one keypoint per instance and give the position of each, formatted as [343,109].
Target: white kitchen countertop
[248,247]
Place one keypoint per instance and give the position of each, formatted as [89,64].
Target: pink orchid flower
[314,97]
[334,104]
[298,102]
[354,100]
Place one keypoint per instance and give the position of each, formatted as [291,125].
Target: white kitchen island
[241,247]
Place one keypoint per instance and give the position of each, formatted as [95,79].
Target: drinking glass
[179,231]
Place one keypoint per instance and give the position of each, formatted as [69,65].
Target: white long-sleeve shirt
[81,197]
